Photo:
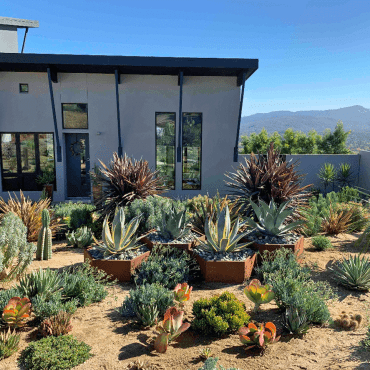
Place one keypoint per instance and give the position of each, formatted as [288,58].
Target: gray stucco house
[64,112]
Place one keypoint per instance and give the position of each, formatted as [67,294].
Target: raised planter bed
[188,247]
[235,272]
[119,269]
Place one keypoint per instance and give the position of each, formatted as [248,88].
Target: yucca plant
[80,238]
[123,181]
[121,236]
[174,224]
[9,342]
[327,175]
[353,273]
[271,218]
[338,220]
[267,178]
[30,213]
[221,237]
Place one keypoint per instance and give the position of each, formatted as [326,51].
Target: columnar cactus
[43,251]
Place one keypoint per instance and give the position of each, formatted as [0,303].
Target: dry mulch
[116,343]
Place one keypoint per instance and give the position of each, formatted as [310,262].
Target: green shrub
[222,314]
[366,342]
[153,298]
[55,353]
[152,209]
[294,288]
[348,194]
[321,243]
[211,364]
[16,254]
[166,266]
[75,214]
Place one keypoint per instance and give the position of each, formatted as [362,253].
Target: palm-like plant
[124,181]
[267,178]
[344,175]
[327,174]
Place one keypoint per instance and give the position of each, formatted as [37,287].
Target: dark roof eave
[65,63]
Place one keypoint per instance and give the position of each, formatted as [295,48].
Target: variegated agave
[271,218]
[220,236]
[174,224]
[120,237]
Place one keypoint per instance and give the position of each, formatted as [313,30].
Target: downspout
[236,154]
[179,149]
[118,81]
[59,148]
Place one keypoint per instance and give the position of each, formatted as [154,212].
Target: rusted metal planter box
[120,270]
[235,272]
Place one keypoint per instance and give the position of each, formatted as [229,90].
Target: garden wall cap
[19,23]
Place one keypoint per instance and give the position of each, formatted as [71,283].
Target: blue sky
[312,54]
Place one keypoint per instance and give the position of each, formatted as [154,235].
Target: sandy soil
[116,343]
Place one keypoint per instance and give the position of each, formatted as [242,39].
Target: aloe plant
[220,236]
[261,336]
[16,311]
[174,224]
[271,218]
[295,321]
[353,273]
[170,328]
[258,293]
[120,237]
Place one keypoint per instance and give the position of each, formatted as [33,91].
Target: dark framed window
[23,88]
[75,115]
[165,146]
[23,157]
[191,151]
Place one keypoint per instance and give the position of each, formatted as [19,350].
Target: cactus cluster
[44,243]
[349,321]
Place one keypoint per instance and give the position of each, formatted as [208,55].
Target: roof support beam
[118,81]
[53,74]
[59,148]
[242,77]
[24,39]
[179,146]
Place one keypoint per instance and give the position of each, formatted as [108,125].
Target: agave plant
[124,181]
[268,178]
[170,328]
[261,336]
[80,238]
[16,311]
[258,293]
[271,218]
[353,273]
[174,224]
[9,342]
[120,237]
[220,236]
[295,321]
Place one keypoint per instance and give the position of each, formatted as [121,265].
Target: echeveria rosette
[258,293]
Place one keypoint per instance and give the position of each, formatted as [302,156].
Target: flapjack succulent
[258,293]
[16,311]
[261,336]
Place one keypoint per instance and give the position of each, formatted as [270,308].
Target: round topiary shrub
[57,353]
[219,315]
[321,243]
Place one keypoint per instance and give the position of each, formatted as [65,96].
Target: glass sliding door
[191,151]
[165,147]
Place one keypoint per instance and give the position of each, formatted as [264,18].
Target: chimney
[8,33]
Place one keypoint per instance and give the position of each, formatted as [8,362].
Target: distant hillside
[356,119]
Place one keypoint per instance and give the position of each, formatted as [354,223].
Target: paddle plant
[253,336]
[16,311]
[182,293]
[258,293]
[170,328]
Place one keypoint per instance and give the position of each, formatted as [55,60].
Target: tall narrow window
[165,147]
[75,115]
[191,151]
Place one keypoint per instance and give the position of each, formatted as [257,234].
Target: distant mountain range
[355,118]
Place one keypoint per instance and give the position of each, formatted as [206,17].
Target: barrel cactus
[43,251]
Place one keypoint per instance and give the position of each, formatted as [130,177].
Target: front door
[78,165]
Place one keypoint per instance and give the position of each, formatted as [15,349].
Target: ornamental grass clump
[219,315]
[9,342]
[125,180]
[353,272]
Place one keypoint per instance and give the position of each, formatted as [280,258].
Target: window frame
[77,128]
[155,149]
[20,88]
[182,152]
[19,174]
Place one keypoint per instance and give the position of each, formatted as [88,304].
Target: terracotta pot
[235,272]
[49,190]
[97,192]
[188,247]
[120,270]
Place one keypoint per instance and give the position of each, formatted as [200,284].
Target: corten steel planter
[49,190]
[235,272]
[120,270]
[188,247]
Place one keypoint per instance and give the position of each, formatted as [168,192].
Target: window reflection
[74,115]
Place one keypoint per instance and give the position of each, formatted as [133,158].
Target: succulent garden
[273,274]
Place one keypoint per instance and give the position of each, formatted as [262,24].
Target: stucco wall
[217,98]
[364,174]
[8,39]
